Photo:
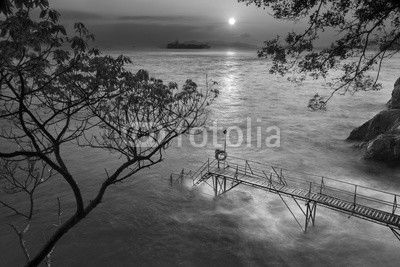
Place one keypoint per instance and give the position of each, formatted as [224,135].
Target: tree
[56,91]
[359,24]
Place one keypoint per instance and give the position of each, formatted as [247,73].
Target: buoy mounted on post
[220,155]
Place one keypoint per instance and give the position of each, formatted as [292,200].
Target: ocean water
[147,222]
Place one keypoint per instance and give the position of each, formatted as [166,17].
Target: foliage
[358,25]
[317,103]
[56,91]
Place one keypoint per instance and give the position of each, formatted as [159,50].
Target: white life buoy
[220,154]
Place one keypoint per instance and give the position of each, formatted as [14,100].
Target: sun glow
[232,21]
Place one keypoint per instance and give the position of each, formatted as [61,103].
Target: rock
[394,102]
[387,121]
[380,136]
[385,147]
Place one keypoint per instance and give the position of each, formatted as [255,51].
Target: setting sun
[232,21]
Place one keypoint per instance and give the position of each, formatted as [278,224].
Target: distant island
[188,45]
[376,45]
[218,44]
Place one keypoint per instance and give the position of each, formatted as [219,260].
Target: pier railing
[351,192]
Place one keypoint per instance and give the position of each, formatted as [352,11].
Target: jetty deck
[359,201]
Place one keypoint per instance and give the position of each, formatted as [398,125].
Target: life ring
[220,154]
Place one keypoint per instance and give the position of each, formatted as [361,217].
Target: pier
[369,204]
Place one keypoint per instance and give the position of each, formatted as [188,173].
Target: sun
[232,21]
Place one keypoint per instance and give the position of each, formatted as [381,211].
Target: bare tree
[55,92]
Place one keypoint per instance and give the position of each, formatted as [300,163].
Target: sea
[147,221]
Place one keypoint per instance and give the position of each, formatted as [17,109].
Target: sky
[154,23]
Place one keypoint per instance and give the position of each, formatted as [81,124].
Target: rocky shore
[380,137]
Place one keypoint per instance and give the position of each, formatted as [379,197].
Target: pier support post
[219,184]
[310,213]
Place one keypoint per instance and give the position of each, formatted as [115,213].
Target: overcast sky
[154,23]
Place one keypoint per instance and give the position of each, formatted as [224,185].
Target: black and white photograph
[199,133]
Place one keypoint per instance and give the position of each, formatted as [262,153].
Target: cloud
[81,15]
[154,18]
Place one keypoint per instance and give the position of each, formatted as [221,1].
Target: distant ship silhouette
[188,45]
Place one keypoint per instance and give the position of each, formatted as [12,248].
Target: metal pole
[225,140]
[322,184]
[216,186]
[355,197]
[315,210]
[224,184]
[307,212]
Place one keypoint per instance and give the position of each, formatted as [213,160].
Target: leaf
[43,13]
[54,15]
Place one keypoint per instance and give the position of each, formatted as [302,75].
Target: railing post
[182,174]
[322,185]
[237,171]
[355,197]
[394,204]
[309,192]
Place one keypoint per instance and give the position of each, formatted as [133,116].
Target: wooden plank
[304,193]
[260,182]
[251,181]
[330,201]
[363,210]
[366,211]
[386,218]
[341,204]
[292,191]
[371,212]
[324,199]
[374,213]
[347,206]
[296,191]
[279,187]
[335,202]
[286,189]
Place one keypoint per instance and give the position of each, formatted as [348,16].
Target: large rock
[385,147]
[387,121]
[394,102]
[380,136]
